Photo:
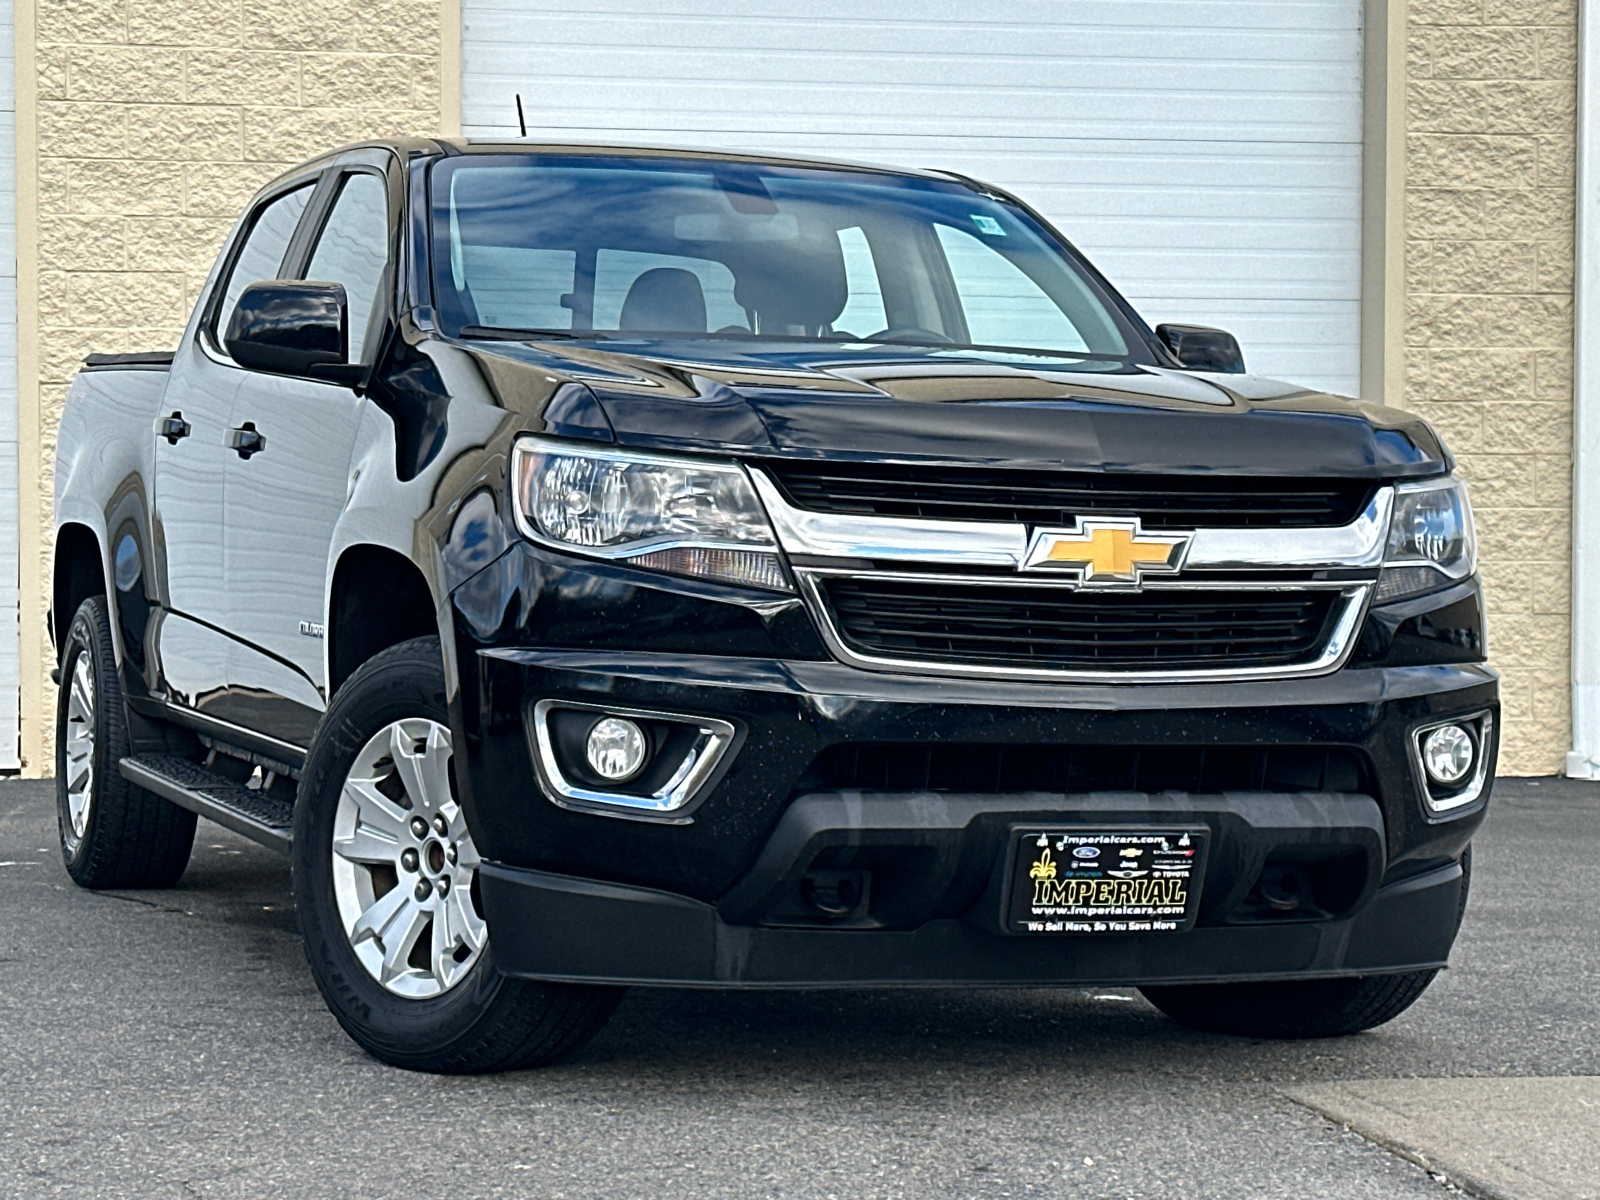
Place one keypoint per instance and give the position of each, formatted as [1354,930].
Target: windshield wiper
[503,333]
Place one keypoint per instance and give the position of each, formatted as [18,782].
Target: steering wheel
[909,333]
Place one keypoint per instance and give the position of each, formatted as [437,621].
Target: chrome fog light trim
[1443,795]
[715,739]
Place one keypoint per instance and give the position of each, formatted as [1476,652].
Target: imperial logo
[1112,552]
[1165,893]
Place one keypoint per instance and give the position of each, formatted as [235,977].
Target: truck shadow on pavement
[239,946]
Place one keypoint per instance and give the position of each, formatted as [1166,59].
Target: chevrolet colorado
[601,567]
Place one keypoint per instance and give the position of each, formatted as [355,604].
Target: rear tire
[113,834]
[1312,1008]
[384,881]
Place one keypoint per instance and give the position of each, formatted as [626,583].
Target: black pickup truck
[602,567]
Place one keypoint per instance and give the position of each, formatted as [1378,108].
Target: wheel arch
[79,572]
[377,598]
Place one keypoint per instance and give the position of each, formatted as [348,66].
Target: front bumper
[555,927]
[716,897]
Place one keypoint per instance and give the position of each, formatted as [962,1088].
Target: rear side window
[864,313]
[353,249]
[1004,307]
[517,288]
[261,256]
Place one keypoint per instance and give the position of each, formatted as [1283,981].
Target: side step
[251,813]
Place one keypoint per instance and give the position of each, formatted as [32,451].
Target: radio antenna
[521,120]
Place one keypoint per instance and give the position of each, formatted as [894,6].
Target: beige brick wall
[154,120]
[1489,222]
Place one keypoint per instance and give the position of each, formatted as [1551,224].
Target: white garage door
[1206,156]
[10,674]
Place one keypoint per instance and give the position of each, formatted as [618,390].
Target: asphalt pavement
[158,1044]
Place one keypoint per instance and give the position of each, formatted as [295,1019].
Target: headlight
[663,513]
[1431,542]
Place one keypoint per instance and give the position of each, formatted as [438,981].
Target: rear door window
[261,256]
[863,313]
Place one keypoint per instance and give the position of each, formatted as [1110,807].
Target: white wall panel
[1206,156]
[10,671]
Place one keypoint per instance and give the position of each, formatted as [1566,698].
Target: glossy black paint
[1203,348]
[907,403]
[521,623]
[289,327]
[1441,627]
[795,709]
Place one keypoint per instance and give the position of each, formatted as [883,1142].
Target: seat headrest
[665,300]
[793,284]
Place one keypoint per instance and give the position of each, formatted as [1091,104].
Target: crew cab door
[191,458]
[288,477]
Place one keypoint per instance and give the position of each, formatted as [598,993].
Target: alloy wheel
[404,866]
[80,746]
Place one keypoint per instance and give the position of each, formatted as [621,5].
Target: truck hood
[905,403]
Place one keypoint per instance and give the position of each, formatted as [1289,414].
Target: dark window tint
[261,256]
[353,248]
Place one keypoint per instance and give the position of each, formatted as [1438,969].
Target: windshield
[685,248]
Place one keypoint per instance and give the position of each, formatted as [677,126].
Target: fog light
[1447,754]
[615,749]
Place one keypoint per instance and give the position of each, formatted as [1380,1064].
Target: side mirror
[1203,349]
[291,327]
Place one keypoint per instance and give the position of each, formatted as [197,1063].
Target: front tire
[1309,1008]
[1312,1008]
[385,881]
[113,834]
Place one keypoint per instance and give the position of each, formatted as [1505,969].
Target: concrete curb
[1444,1172]
[1497,1137]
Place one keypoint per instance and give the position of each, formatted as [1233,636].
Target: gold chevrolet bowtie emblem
[1112,552]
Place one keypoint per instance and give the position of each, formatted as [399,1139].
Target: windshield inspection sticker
[987,225]
[1100,881]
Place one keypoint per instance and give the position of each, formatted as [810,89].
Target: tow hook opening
[1305,883]
[835,895]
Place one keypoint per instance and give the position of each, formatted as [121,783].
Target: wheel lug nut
[451,854]
[419,827]
[422,889]
[443,884]
[440,825]
[408,859]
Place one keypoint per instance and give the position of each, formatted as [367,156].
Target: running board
[247,811]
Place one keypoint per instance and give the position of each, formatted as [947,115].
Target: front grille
[1050,628]
[1059,498]
[989,769]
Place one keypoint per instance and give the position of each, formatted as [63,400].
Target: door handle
[174,427]
[247,440]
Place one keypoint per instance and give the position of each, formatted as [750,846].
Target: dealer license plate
[1106,881]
